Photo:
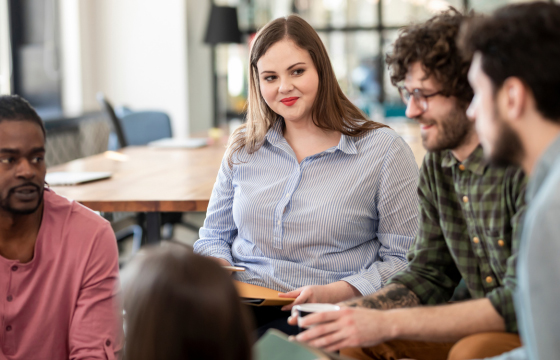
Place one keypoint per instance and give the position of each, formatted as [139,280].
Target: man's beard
[452,132]
[5,202]
[508,149]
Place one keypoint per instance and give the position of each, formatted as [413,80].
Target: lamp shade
[222,26]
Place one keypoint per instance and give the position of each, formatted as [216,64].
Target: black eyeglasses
[420,98]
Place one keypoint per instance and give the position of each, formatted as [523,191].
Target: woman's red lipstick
[289,101]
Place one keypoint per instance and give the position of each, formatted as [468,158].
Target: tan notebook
[259,296]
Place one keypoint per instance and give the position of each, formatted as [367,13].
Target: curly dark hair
[523,41]
[433,44]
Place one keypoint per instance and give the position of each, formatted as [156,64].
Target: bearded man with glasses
[469,216]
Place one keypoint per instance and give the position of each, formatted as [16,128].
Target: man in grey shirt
[515,76]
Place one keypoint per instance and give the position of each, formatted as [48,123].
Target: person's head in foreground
[291,78]
[516,78]
[181,306]
[431,75]
[22,151]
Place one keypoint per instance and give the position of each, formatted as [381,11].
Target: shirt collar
[475,163]
[274,134]
[543,167]
[346,144]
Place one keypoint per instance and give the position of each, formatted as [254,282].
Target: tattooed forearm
[390,297]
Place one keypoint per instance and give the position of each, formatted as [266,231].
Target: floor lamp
[222,29]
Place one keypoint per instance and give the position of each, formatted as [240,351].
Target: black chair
[135,230]
[139,128]
[114,121]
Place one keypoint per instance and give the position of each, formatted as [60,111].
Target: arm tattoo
[392,296]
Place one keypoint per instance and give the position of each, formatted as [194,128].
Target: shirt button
[279,222]
[489,279]
[108,342]
[476,240]
[462,167]
[14,268]
[9,298]
[9,328]
[501,242]
[287,195]
[465,199]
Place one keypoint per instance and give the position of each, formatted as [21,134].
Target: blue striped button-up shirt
[348,213]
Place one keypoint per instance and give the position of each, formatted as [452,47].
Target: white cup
[305,309]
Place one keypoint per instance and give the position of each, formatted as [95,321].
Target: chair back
[141,127]
[115,124]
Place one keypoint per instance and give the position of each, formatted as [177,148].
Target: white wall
[5,62]
[201,111]
[135,51]
[71,60]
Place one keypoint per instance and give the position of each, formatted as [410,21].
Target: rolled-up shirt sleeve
[96,330]
[502,297]
[219,230]
[397,208]
[502,300]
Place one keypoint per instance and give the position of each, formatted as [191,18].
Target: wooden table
[154,180]
[146,179]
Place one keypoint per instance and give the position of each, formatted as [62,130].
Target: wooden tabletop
[147,179]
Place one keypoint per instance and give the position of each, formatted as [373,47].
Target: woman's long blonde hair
[331,111]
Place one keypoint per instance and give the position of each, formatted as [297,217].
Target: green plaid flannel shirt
[470,217]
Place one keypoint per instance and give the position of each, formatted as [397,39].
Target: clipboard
[259,296]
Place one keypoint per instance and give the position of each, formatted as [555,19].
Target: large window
[356,33]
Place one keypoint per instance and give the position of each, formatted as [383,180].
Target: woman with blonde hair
[312,198]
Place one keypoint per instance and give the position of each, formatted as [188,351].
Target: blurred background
[148,54]
[187,59]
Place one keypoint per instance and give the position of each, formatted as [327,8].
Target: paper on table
[179,143]
[259,296]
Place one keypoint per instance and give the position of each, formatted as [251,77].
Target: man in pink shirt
[59,289]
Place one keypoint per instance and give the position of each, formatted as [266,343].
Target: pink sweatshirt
[63,304]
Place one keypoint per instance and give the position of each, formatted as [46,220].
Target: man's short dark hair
[16,108]
[521,41]
[433,44]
